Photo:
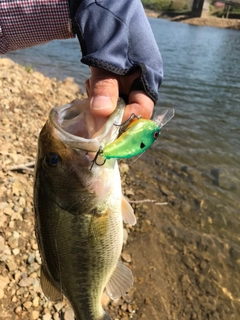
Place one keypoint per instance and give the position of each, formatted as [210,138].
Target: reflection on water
[202,82]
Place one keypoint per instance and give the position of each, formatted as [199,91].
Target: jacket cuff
[116,36]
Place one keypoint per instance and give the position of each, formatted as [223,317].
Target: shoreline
[205,20]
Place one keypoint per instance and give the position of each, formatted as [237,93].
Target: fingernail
[101,103]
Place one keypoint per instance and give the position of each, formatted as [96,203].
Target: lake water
[202,82]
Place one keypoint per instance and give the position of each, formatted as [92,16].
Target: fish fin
[127,212]
[105,317]
[48,288]
[120,281]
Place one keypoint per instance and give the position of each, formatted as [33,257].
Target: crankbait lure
[139,134]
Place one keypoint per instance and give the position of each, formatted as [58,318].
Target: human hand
[103,89]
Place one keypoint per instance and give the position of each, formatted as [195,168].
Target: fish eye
[52,159]
[156,134]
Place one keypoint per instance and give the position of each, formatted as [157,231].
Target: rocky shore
[26,99]
[184,262]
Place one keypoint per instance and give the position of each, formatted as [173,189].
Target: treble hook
[94,161]
[125,123]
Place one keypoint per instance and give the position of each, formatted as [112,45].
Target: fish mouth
[78,128]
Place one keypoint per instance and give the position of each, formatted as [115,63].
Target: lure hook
[94,161]
[126,122]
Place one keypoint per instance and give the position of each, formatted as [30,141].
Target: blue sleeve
[116,36]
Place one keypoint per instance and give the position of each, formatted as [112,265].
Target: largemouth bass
[79,212]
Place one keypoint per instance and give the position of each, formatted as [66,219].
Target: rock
[25,282]
[1,293]
[16,251]
[8,211]
[36,302]
[47,316]
[225,178]
[56,316]
[125,236]
[58,306]
[68,314]
[4,281]
[18,310]
[31,258]
[11,265]
[126,256]
[2,244]
[34,314]
[27,304]
[105,299]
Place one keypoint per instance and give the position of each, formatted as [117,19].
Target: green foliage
[28,68]
[165,5]
[211,8]
[157,5]
[178,5]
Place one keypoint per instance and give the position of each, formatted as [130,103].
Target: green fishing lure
[139,134]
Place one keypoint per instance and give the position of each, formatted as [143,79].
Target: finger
[87,87]
[140,104]
[103,92]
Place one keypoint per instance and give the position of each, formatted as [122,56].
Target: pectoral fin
[48,287]
[120,282]
[127,212]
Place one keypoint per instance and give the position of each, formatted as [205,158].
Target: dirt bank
[210,21]
[183,268]
[205,20]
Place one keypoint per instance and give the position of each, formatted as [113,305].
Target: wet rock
[224,178]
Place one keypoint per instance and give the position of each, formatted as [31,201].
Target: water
[202,82]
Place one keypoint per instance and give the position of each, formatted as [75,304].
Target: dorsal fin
[48,287]
[120,282]
[128,215]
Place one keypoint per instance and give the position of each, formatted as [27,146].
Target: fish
[79,210]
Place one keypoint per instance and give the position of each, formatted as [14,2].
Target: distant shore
[204,20]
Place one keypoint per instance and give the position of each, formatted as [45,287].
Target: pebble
[27,304]
[47,316]
[56,316]
[125,236]
[126,256]
[36,301]
[4,281]
[1,293]
[11,265]
[34,314]
[18,310]
[16,251]
[58,306]
[69,315]
[105,299]
[25,282]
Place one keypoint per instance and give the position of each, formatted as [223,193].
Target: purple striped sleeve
[25,23]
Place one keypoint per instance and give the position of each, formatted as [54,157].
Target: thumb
[102,89]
